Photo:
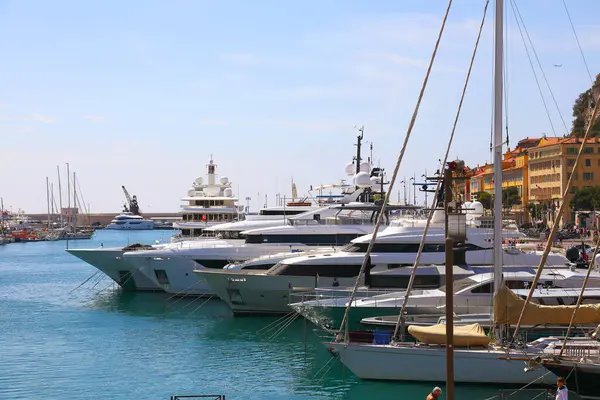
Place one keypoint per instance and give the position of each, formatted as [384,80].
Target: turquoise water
[58,342]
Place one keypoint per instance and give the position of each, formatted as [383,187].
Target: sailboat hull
[581,378]
[428,363]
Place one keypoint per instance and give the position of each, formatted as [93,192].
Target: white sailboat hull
[425,363]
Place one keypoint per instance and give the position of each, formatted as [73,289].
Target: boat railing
[337,297]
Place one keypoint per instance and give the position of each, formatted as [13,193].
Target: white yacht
[207,204]
[472,295]
[396,247]
[130,221]
[332,227]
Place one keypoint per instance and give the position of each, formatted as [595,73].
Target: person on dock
[437,392]
[562,393]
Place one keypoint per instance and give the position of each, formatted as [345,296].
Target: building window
[588,176]
[573,189]
[570,162]
[574,176]
[588,150]
[571,150]
[588,162]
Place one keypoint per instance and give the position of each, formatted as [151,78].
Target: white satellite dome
[477,208]
[375,183]
[350,169]
[191,192]
[227,192]
[365,167]
[199,181]
[224,180]
[466,206]
[362,180]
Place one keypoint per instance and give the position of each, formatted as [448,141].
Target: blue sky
[140,93]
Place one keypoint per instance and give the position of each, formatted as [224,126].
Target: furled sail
[508,306]
[464,336]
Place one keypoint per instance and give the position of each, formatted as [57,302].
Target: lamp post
[414,190]
[425,176]
[404,185]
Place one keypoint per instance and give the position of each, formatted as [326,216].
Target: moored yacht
[130,221]
[207,204]
[330,226]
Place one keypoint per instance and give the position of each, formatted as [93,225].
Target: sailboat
[475,358]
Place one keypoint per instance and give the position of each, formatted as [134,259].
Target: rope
[397,168]
[402,320]
[577,40]
[521,388]
[555,224]
[580,298]
[518,12]
[84,282]
[533,70]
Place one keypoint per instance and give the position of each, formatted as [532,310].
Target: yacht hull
[581,378]
[428,364]
[256,293]
[119,269]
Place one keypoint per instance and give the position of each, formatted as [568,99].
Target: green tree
[485,199]
[510,197]
[587,198]
[580,116]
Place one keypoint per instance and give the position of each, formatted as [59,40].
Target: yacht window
[401,282]
[460,285]
[485,288]
[259,266]
[314,240]
[281,212]
[212,263]
[161,276]
[327,270]
[402,247]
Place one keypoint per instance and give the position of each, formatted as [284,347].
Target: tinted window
[403,247]
[311,240]
[401,282]
[212,263]
[487,288]
[281,212]
[333,270]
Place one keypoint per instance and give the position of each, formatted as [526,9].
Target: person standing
[437,392]
[562,393]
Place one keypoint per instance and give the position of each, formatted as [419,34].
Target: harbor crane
[132,205]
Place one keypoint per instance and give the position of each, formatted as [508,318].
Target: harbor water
[58,341]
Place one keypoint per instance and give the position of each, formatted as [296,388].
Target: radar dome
[375,183]
[477,208]
[365,167]
[192,192]
[350,169]
[362,180]
[227,192]
[224,180]
[199,181]
[466,206]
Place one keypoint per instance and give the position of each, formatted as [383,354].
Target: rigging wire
[518,12]
[577,40]
[533,70]
[559,214]
[411,125]
[504,82]
[402,320]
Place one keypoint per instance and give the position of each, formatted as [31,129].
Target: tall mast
[60,197]
[74,205]
[69,194]
[498,86]
[48,201]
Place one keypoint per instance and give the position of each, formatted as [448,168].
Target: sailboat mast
[74,205]
[48,201]
[60,212]
[498,87]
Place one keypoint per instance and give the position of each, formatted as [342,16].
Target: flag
[203,217]
[538,186]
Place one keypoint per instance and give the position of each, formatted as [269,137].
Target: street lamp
[414,179]
[404,184]
[425,176]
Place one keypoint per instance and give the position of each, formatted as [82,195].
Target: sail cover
[465,335]
[508,306]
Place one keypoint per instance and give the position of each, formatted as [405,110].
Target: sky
[141,93]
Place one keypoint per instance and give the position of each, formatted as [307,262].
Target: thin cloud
[94,118]
[44,119]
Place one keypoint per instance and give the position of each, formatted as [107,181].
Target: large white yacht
[130,221]
[332,227]
[207,204]
[396,247]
